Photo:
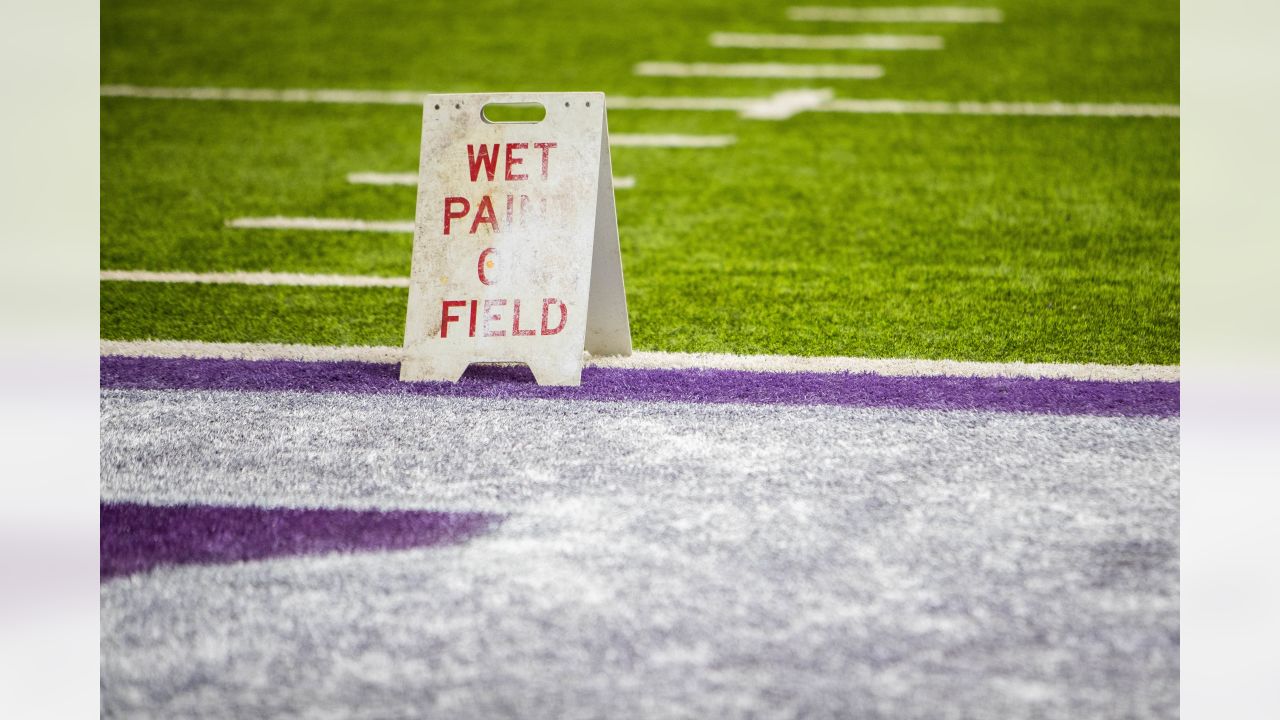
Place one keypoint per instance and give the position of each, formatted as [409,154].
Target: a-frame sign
[515,246]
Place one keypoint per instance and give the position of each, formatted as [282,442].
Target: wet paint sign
[515,245]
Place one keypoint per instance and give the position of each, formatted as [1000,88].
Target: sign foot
[547,372]
[442,369]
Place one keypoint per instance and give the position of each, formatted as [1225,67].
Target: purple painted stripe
[1051,396]
[136,538]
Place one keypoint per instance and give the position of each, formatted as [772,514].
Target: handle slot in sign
[522,113]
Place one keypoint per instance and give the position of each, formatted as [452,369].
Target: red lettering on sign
[489,305]
[490,315]
[485,214]
[485,263]
[488,159]
[564,315]
[513,160]
[515,321]
[450,215]
[546,156]
[446,317]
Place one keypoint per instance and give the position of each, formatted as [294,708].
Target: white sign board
[515,244]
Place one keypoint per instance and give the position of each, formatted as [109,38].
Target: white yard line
[1055,109]
[411,179]
[378,97]
[897,14]
[312,223]
[248,351]
[786,103]
[672,141]
[661,360]
[759,70]
[888,366]
[746,106]
[703,104]
[826,42]
[390,97]
[254,278]
[377,178]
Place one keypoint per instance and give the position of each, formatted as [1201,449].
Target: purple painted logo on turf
[137,538]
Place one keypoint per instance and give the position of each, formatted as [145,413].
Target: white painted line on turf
[786,103]
[664,360]
[313,223]
[377,178]
[380,97]
[298,95]
[411,179]
[703,104]
[887,366]
[897,14]
[700,104]
[1051,109]
[759,70]
[826,42]
[249,351]
[254,278]
[672,141]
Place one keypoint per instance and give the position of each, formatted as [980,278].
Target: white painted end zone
[312,223]
[254,278]
[826,42]
[411,179]
[897,14]
[759,70]
[664,360]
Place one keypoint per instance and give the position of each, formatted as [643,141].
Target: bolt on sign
[515,244]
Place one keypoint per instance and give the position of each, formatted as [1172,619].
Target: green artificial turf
[225,313]
[1082,51]
[985,238]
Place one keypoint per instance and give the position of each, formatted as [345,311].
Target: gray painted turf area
[660,560]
